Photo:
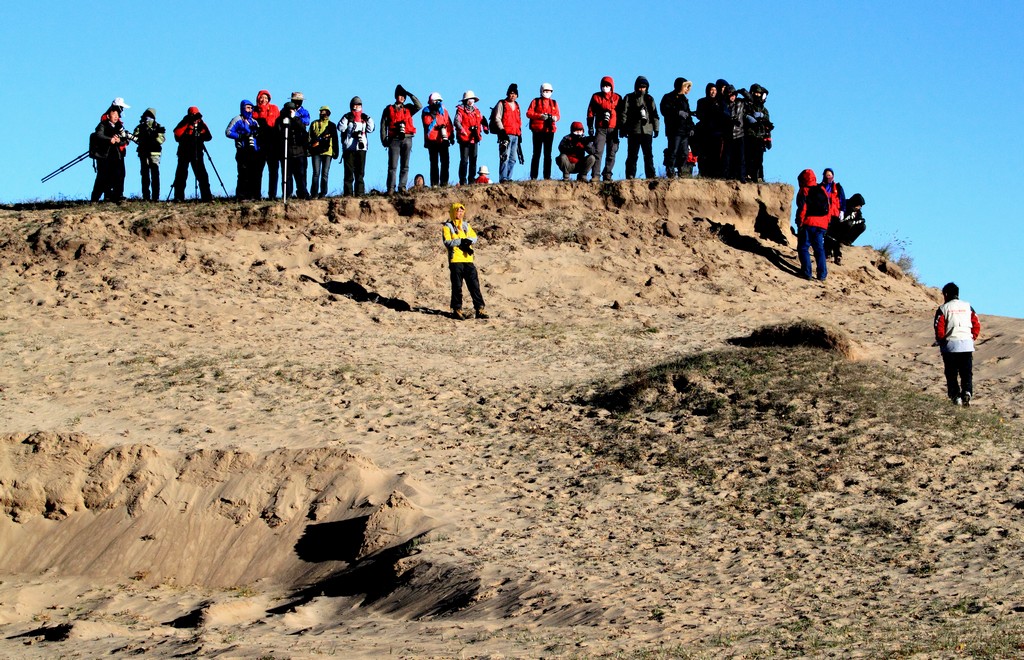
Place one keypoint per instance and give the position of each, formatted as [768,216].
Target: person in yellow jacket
[460,238]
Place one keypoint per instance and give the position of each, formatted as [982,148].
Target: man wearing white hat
[469,129]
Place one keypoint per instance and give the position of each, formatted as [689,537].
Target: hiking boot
[838,260]
[481,314]
[958,401]
[458,315]
[967,399]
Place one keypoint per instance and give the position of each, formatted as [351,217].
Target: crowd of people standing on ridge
[725,136]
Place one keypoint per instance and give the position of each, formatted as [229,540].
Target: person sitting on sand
[460,238]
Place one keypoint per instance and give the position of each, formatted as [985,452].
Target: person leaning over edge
[956,329]
[460,238]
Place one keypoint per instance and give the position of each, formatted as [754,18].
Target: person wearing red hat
[191,133]
[576,153]
[602,124]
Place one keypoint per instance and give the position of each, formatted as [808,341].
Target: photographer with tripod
[107,146]
[192,133]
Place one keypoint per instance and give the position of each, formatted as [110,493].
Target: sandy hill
[241,430]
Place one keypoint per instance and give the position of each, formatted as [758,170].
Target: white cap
[119,102]
[484,170]
[434,96]
[470,95]
[546,87]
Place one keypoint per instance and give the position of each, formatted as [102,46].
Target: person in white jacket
[354,126]
[956,329]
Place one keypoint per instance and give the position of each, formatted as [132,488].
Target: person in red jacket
[266,113]
[438,135]
[956,329]
[396,130]
[812,217]
[470,128]
[191,134]
[543,116]
[602,124]
[508,125]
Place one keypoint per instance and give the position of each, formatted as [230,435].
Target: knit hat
[512,89]
[856,199]
[576,126]
[400,91]
[641,82]
[680,81]
[354,102]
[193,111]
[324,107]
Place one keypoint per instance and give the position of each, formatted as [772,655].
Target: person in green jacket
[323,148]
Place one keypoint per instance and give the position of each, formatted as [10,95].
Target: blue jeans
[507,158]
[808,238]
[321,170]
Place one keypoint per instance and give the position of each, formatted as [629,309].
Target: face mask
[606,88]
[546,94]
[149,121]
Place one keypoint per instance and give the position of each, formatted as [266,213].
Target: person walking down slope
[639,123]
[469,131]
[675,110]
[602,125]
[150,137]
[354,127]
[812,217]
[507,124]
[323,148]
[576,153]
[956,329]
[438,136]
[191,134]
[244,130]
[460,240]
[543,115]
[396,133]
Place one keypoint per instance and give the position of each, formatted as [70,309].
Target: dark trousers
[958,365]
[150,170]
[439,161]
[249,174]
[465,273]
[754,158]
[606,140]
[109,182]
[709,161]
[541,141]
[321,169]
[273,165]
[734,164]
[467,161]
[634,143]
[399,151]
[181,176]
[296,179]
[355,169]
[675,154]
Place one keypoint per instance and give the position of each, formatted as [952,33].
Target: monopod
[64,167]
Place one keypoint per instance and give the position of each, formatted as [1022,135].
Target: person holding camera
[438,135]
[323,148]
[639,123]
[460,239]
[576,153]
[469,129]
[675,110]
[602,121]
[295,148]
[191,134]
[354,126]
[396,131]
[107,146]
[150,137]
[244,130]
[543,115]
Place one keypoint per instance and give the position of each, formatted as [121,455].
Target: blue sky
[913,104]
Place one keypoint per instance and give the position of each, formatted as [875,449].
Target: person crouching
[460,238]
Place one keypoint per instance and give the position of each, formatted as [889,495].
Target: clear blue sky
[914,104]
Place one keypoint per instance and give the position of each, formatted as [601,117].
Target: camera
[400,127]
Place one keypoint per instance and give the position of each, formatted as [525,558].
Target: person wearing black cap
[956,329]
[396,131]
[639,123]
[355,126]
[191,133]
[758,136]
[576,153]
[150,137]
[507,124]
[675,109]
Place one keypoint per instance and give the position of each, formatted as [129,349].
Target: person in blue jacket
[244,130]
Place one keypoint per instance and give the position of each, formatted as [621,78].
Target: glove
[591,131]
[655,134]
[465,243]
[758,115]
[683,114]
[751,120]
[502,136]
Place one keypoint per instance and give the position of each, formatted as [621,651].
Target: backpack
[816,203]
[492,123]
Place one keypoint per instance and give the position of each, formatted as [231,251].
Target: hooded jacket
[638,113]
[190,133]
[675,109]
[601,103]
[244,128]
[266,114]
[453,233]
[805,209]
[150,136]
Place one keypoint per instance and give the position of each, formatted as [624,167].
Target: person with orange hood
[812,218]
[460,239]
[602,121]
[266,113]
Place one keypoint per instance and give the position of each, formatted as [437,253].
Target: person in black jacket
[107,146]
[675,110]
[708,133]
[758,132]
[294,147]
[733,155]
[150,137]
[192,133]
[323,147]
[639,123]
[577,153]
